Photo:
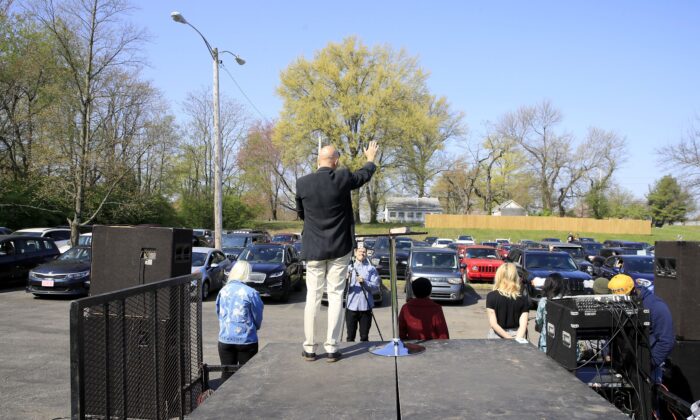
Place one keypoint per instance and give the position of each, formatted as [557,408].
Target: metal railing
[137,352]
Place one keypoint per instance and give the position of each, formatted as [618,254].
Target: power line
[244,94]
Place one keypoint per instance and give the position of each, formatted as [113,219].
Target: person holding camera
[363,282]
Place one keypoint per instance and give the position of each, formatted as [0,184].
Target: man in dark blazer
[324,204]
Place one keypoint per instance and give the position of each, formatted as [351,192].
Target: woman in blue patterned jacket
[240,312]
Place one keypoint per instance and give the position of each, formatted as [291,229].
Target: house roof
[414,203]
[510,204]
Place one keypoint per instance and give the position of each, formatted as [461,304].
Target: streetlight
[218,147]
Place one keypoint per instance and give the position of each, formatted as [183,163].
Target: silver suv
[439,265]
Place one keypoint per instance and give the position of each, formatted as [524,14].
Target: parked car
[590,249]
[380,257]
[465,239]
[551,240]
[234,242]
[275,269]
[480,263]
[19,254]
[584,239]
[85,239]
[60,236]
[213,265]
[535,265]
[5,231]
[502,241]
[460,249]
[442,242]
[576,252]
[439,265]
[430,239]
[285,238]
[67,275]
[504,249]
[635,266]
[492,244]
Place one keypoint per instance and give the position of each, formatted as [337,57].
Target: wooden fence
[564,224]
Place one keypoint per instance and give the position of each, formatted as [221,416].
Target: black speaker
[126,256]
[676,281]
[682,371]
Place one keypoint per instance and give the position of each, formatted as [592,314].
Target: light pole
[218,147]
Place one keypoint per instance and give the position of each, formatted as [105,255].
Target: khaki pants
[319,274]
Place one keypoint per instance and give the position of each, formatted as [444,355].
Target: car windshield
[493,244]
[282,238]
[550,262]
[229,241]
[404,244]
[198,259]
[434,260]
[641,265]
[633,245]
[85,240]
[444,241]
[592,248]
[573,251]
[481,253]
[465,238]
[28,233]
[369,243]
[262,254]
[75,255]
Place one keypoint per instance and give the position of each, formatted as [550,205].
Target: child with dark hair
[421,318]
[554,287]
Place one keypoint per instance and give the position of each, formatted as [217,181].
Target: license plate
[47,283]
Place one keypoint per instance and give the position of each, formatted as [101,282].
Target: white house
[509,208]
[409,209]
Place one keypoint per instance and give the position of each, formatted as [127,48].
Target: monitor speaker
[677,282]
[126,256]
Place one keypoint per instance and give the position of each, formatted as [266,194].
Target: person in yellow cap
[621,284]
[661,336]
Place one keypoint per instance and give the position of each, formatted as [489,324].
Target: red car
[481,263]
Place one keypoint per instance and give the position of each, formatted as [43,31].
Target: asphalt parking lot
[35,356]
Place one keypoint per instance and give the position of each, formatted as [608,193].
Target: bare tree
[684,156]
[93,42]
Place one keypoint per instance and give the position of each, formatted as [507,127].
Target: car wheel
[286,291]
[205,290]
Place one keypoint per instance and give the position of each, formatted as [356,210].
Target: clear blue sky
[628,66]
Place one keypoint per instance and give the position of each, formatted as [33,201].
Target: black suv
[19,254]
[380,256]
[233,242]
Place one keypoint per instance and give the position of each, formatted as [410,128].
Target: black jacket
[324,204]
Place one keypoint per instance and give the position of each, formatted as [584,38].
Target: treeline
[85,139]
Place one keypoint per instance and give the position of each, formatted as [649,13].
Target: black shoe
[334,357]
[309,357]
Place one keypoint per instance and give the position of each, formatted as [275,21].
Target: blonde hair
[240,271]
[507,281]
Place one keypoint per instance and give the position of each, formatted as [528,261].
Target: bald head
[328,157]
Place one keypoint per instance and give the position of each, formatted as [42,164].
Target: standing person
[553,288]
[421,318]
[661,336]
[240,312]
[506,308]
[363,281]
[324,204]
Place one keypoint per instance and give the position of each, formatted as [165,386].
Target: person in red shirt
[421,318]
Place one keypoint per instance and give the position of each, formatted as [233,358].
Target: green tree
[668,201]
[597,201]
[349,95]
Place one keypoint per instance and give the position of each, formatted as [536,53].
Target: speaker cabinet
[676,281]
[126,256]
[682,371]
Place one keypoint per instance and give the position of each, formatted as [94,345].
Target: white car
[442,242]
[466,240]
[60,236]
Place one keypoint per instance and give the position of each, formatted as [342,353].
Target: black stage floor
[453,379]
